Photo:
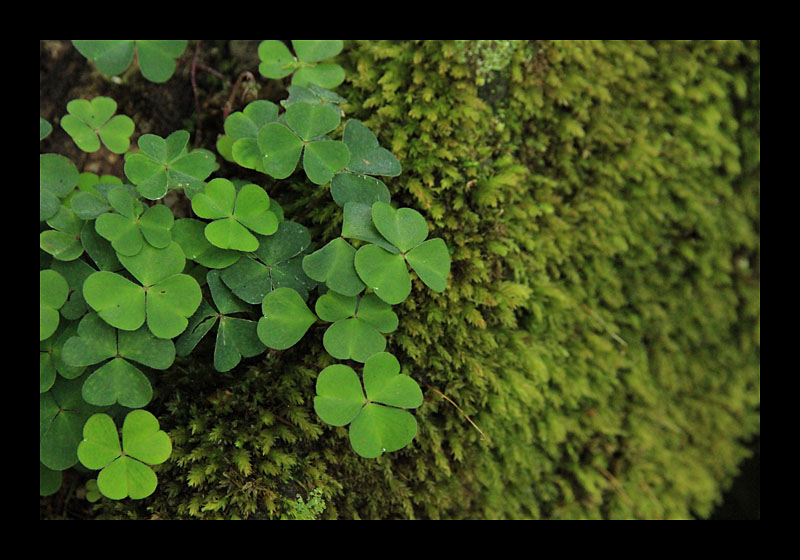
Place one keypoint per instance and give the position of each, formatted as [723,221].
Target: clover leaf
[156,57]
[123,470]
[58,177]
[385,271]
[50,363]
[361,189]
[278,62]
[236,337]
[190,235]
[234,214]
[357,325]
[166,163]
[89,119]
[131,225]
[64,240]
[333,265]
[53,292]
[116,380]
[165,298]
[366,155]
[276,263]
[303,133]
[286,318]
[376,414]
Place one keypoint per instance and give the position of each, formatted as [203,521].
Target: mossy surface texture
[597,351]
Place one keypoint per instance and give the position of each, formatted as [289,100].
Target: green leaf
[366,155]
[404,228]
[157,58]
[333,265]
[361,189]
[88,119]
[276,263]
[378,422]
[276,59]
[189,234]
[58,176]
[233,211]
[357,224]
[170,303]
[332,306]
[120,302]
[230,234]
[280,149]
[384,273]
[153,264]
[252,210]
[326,75]
[286,319]
[352,339]
[124,470]
[384,384]
[311,121]
[165,163]
[62,414]
[358,324]
[431,261]
[117,381]
[339,395]
[109,57]
[216,201]
[53,292]
[314,51]
[378,429]
[322,159]
[236,338]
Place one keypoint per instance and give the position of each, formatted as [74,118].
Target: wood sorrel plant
[116,300]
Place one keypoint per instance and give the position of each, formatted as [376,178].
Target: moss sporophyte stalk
[129,282]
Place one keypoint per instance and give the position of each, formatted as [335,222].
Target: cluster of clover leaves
[125,287]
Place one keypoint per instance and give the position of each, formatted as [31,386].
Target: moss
[597,352]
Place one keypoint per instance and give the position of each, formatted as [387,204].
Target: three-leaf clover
[384,270]
[165,297]
[278,62]
[303,133]
[236,336]
[89,119]
[124,471]
[357,325]
[376,414]
[167,163]
[234,214]
[116,380]
[156,57]
[132,225]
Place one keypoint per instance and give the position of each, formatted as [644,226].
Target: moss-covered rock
[597,351]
